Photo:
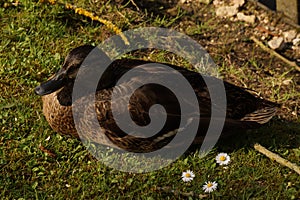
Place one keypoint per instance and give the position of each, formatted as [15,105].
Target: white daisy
[188,176]
[223,158]
[210,186]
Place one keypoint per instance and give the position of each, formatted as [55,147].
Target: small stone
[266,21]
[296,42]
[238,2]
[227,11]
[246,18]
[218,3]
[289,35]
[276,43]
[271,28]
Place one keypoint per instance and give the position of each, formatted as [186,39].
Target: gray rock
[227,11]
[289,35]
[276,43]
[246,18]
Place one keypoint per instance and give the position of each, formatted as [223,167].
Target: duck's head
[68,71]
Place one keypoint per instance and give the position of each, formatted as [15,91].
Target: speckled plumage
[243,109]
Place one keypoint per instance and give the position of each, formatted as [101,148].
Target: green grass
[35,38]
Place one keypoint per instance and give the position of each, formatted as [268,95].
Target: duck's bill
[49,86]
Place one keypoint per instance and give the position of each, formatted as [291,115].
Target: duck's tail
[262,115]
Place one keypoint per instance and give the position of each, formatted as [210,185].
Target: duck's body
[243,109]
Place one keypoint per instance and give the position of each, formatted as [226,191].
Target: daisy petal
[210,186]
[187,176]
[223,159]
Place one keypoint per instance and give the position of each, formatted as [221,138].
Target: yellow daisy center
[188,175]
[222,158]
[209,185]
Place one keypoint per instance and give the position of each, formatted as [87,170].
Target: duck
[244,110]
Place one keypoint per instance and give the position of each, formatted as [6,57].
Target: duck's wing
[124,104]
[119,126]
[243,109]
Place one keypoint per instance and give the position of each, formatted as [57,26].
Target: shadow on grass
[274,135]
